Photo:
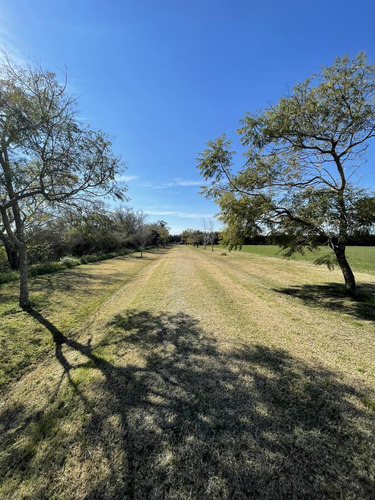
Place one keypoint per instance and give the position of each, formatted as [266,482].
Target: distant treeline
[196,237]
[78,235]
[356,239]
[199,238]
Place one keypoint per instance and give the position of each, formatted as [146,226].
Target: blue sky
[165,76]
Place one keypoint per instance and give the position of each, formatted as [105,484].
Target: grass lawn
[192,375]
[360,258]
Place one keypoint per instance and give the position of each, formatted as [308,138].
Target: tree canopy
[48,158]
[303,160]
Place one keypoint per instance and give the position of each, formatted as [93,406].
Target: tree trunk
[19,242]
[349,278]
[12,255]
[24,280]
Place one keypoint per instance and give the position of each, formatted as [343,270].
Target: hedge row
[64,263]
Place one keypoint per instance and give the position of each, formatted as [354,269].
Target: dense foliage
[77,235]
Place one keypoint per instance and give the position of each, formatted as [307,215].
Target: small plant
[369,403]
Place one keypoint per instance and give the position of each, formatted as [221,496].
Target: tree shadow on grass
[334,296]
[73,279]
[169,415]
[159,250]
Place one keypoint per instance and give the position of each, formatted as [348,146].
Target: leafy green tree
[303,158]
[126,220]
[159,233]
[93,233]
[192,237]
[47,156]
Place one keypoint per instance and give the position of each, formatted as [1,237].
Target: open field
[190,375]
[360,258]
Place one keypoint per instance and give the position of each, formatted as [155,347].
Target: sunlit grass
[360,258]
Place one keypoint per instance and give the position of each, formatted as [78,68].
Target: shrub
[6,277]
[70,262]
[45,268]
[64,263]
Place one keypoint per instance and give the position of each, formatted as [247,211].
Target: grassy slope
[205,376]
[361,259]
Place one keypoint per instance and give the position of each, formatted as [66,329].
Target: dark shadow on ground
[194,422]
[334,296]
[71,279]
[152,251]
[159,250]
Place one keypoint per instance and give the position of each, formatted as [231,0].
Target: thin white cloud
[178,214]
[182,182]
[196,216]
[165,185]
[160,212]
[126,178]
[8,37]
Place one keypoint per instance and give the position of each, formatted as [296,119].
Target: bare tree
[205,233]
[143,231]
[211,232]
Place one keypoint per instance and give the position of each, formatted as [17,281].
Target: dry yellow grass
[203,376]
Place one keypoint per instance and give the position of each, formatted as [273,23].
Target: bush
[45,268]
[64,263]
[6,277]
[88,259]
[70,262]
[96,257]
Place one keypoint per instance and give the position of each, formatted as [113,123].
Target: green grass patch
[361,259]
[369,403]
